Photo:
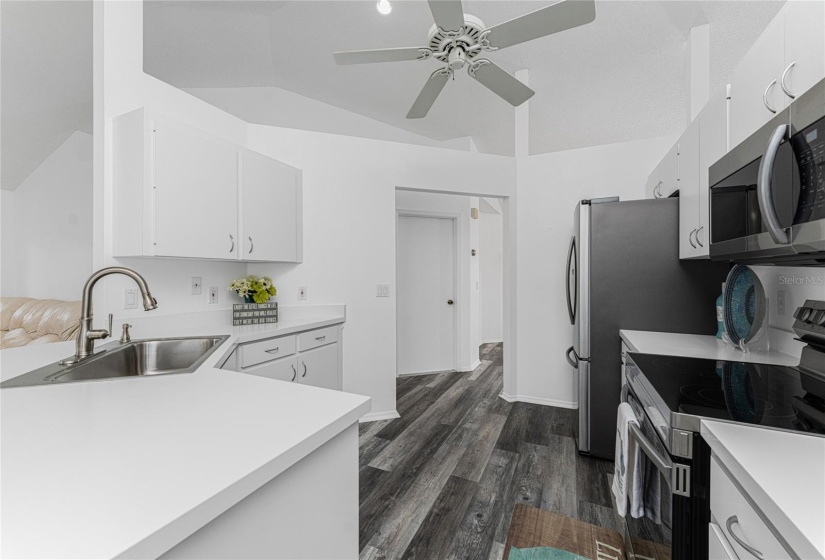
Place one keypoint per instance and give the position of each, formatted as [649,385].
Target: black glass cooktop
[771,396]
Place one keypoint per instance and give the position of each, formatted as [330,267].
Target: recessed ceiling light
[383,7]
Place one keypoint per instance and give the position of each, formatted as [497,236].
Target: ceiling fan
[457,39]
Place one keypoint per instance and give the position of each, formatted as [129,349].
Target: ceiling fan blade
[545,21]
[429,94]
[382,55]
[448,14]
[497,80]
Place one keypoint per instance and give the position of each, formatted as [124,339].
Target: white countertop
[131,467]
[700,346]
[784,475]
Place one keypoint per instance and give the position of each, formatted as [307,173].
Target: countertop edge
[766,507]
[186,525]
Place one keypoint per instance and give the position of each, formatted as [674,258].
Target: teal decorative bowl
[745,304]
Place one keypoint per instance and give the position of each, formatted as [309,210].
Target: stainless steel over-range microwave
[767,195]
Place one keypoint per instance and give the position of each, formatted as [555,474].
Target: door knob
[449,302]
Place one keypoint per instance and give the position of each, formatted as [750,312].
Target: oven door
[651,536]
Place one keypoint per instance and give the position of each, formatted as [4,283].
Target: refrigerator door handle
[571,361]
[571,272]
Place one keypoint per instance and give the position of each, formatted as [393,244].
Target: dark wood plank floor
[441,481]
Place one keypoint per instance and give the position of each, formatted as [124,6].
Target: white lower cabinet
[311,357]
[743,529]
[319,367]
[718,546]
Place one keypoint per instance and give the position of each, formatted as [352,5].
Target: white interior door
[426,294]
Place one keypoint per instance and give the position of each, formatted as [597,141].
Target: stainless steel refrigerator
[624,272]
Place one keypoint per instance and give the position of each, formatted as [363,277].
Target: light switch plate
[130,299]
[196,285]
[382,290]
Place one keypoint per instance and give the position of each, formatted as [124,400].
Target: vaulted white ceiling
[622,77]
[46,84]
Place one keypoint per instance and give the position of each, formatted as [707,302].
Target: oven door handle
[664,464]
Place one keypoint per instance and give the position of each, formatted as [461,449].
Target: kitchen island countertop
[133,466]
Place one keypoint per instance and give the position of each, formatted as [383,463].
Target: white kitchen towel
[625,481]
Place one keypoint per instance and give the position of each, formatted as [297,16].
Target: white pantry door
[426,294]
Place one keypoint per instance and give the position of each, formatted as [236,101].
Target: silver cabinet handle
[782,81]
[251,245]
[232,240]
[320,337]
[272,350]
[699,241]
[729,524]
[690,239]
[657,190]
[763,186]
[294,373]
[765,97]
[305,369]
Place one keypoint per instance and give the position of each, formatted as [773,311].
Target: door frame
[454,218]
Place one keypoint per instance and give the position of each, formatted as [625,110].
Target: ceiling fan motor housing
[456,47]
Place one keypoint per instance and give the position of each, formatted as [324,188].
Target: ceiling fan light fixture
[384,7]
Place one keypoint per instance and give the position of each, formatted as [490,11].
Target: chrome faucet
[85,341]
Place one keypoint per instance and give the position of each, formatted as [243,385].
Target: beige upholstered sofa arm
[25,321]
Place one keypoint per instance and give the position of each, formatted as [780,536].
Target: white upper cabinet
[179,192]
[195,188]
[804,63]
[713,144]
[663,181]
[754,83]
[688,147]
[786,60]
[271,217]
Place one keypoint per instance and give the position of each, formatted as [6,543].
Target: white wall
[799,284]
[47,225]
[491,261]
[468,337]
[549,186]
[349,232]
[124,87]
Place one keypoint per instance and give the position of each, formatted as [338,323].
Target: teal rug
[542,553]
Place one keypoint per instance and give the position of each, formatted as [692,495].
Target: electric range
[670,395]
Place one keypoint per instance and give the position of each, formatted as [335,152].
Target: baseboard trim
[475,365]
[499,341]
[376,416]
[537,400]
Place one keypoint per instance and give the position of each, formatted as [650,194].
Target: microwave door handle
[763,183]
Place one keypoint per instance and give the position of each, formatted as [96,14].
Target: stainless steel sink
[133,359]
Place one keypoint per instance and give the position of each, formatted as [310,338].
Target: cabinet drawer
[718,545]
[316,338]
[737,519]
[284,369]
[266,350]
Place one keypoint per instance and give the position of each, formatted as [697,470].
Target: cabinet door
[804,45]
[762,64]
[284,369]
[652,183]
[270,209]
[319,367]
[689,191]
[713,137]
[196,190]
[669,172]
[718,546]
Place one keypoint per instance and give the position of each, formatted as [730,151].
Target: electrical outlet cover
[213,294]
[196,285]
